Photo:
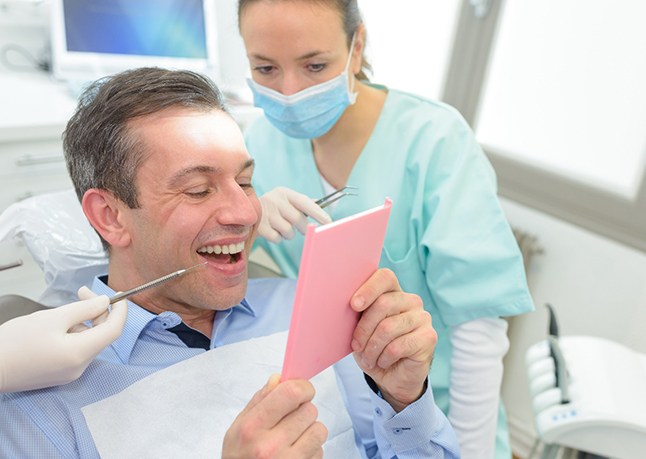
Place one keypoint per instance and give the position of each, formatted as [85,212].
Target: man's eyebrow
[248,164]
[178,177]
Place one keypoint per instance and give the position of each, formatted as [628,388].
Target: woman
[325,127]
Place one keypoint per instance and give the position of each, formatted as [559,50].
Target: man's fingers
[285,398]
[271,383]
[418,345]
[383,280]
[387,305]
[294,425]
[380,332]
[310,443]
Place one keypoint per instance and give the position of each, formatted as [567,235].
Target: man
[164,177]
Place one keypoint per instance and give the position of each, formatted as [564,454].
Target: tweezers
[153,283]
[335,196]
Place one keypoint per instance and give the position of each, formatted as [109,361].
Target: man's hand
[278,422]
[54,346]
[394,340]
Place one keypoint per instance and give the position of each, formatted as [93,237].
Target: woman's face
[293,45]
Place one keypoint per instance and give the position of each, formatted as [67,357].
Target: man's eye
[197,193]
[246,185]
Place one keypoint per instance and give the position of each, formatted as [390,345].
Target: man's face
[196,205]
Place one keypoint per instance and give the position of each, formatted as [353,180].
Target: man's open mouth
[229,253]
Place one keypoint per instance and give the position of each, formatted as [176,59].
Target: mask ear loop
[353,95]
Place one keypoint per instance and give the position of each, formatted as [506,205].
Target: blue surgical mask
[309,113]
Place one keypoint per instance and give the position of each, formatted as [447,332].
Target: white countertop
[33,106]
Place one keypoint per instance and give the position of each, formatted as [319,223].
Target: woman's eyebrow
[305,56]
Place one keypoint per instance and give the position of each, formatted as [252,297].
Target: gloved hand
[283,209]
[53,346]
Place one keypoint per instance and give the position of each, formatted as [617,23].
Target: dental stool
[588,394]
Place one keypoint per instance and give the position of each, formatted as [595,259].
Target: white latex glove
[53,346]
[283,209]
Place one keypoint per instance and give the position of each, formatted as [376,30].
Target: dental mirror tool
[153,283]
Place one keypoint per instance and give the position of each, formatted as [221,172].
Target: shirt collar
[139,318]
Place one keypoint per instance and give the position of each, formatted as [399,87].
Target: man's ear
[105,213]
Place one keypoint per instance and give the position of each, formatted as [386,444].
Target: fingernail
[365,364]
[355,345]
[273,381]
[358,302]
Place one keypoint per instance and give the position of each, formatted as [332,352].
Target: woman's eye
[316,67]
[264,69]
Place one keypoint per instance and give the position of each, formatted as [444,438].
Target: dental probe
[153,283]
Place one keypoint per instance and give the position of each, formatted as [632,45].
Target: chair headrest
[58,236]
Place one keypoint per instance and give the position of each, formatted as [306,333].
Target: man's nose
[237,208]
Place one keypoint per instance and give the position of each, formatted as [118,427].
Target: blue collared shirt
[48,423]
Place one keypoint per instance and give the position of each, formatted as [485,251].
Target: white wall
[234,67]
[23,27]
[597,287]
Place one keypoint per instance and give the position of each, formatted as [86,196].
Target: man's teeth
[226,249]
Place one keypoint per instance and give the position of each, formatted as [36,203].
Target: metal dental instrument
[13,264]
[153,283]
[335,196]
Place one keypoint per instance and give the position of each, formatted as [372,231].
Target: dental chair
[58,236]
[12,306]
[588,395]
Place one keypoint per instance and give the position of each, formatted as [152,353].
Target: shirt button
[378,411]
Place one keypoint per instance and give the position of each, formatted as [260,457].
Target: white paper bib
[186,409]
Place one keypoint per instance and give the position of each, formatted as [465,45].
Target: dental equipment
[587,395]
[13,264]
[153,283]
[335,196]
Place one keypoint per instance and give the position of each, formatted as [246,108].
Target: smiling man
[191,206]
[164,177]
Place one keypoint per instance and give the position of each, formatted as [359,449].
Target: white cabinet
[33,113]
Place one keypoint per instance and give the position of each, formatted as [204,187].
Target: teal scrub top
[447,240]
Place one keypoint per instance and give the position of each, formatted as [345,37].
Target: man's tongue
[219,258]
